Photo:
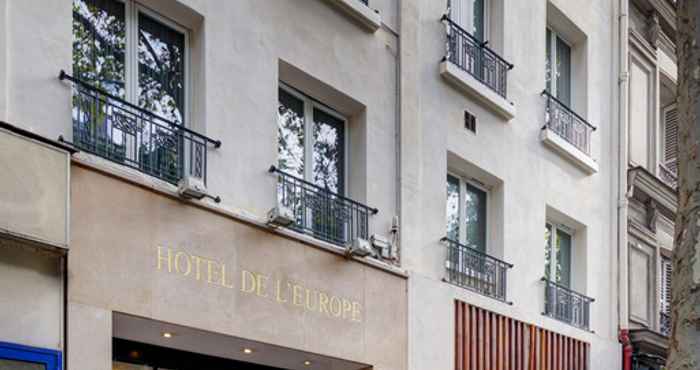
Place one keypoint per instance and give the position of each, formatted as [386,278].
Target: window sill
[363,14]
[568,151]
[464,82]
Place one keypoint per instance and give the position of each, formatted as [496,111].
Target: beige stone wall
[33,190]
[214,273]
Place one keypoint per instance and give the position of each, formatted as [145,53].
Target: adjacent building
[649,150]
[335,184]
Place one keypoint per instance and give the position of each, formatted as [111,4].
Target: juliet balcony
[475,69]
[563,304]
[121,132]
[568,133]
[474,270]
[310,209]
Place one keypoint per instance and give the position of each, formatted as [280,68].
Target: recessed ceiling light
[307,363]
[167,334]
[247,351]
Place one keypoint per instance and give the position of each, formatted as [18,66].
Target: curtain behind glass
[475,202]
[161,63]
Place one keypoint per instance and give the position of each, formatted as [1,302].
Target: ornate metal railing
[567,124]
[322,213]
[668,174]
[471,269]
[119,131]
[665,324]
[474,57]
[566,305]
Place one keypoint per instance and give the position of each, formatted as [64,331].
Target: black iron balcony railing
[322,213]
[668,173]
[567,124]
[366,2]
[566,305]
[665,324]
[474,57]
[119,131]
[476,271]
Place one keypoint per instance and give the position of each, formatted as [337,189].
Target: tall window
[129,52]
[558,67]
[666,269]
[670,142]
[470,15]
[557,254]
[466,213]
[311,141]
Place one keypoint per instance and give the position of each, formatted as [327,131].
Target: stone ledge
[469,85]
[568,151]
[366,16]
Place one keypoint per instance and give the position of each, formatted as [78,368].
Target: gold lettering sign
[280,291]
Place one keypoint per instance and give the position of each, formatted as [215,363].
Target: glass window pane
[475,206]
[563,249]
[477,30]
[161,64]
[328,152]
[20,365]
[547,250]
[290,134]
[99,44]
[548,62]
[563,72]
[452,211]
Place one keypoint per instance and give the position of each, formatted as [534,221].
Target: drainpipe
[622,189]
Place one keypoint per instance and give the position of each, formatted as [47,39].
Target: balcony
[471,269]
[471,66]
[114,129]
[359,11]
[321,213]
[568,133]
[566,305]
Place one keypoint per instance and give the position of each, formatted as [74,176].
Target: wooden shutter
[485,340]
[671,138]
[665,295]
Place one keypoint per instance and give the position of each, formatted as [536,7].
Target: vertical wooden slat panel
[474,340]
[480,335]
[487,341]
[574,361]
[459,345]
[467,326]
[501,343]
[507,348]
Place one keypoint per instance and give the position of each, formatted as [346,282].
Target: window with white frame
[311,140]
[558,67]
[558,244]
[132,53]
[466,213]
[471,16]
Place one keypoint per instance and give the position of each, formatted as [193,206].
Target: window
[670,142]
[311,141]
[558,67]
[557,256]
[470,121]
[666,269]
[470,15]
[19,357]
[466,213]
[133,54]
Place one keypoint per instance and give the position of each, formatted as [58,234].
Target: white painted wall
[530,177]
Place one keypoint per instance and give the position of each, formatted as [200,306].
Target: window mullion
[553,255]
[553,62]
[308,140]
[462,212]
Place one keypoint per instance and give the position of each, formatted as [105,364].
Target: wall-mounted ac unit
[360,247]
[280,216]
[192,187]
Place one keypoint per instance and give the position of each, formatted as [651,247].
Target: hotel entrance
[145,344]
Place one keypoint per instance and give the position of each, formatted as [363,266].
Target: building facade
[650,150]
[319,184]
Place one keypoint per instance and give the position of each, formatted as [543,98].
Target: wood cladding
[488,341]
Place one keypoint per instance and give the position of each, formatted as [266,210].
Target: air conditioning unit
[191,187]
[360,247]
[280,216]
[381,244]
